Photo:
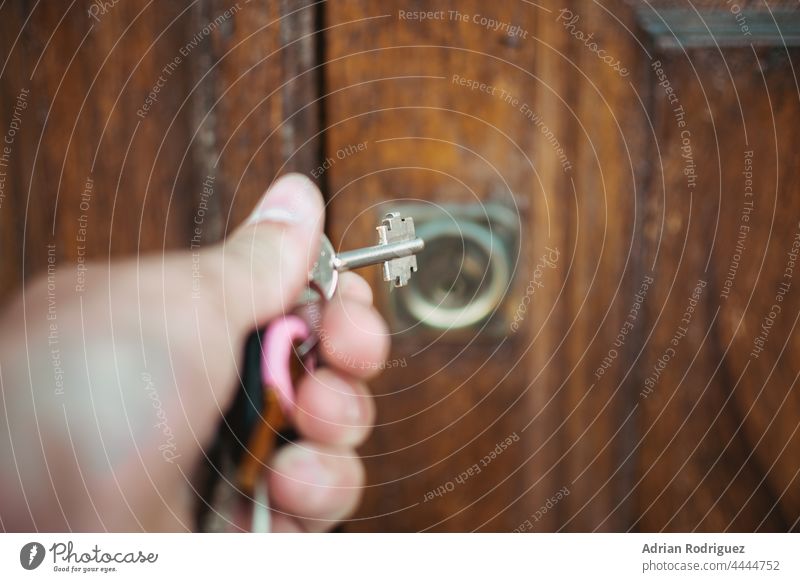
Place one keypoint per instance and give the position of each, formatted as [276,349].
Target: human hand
[111,393]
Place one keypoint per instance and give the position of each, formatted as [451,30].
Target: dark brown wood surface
[229,108]
[391,83]
[86,80]
[713,446]
[719,433]
[697,453]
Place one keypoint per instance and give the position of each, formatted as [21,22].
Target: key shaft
[355,259]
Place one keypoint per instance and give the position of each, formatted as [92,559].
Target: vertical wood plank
[133,109]
[718,421]
[88,173]
[262,114]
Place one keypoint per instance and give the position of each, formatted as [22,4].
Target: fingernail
[290,200]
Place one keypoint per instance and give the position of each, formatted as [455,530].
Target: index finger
[354,337]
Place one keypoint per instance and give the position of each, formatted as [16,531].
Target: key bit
[396,230]
[396,249]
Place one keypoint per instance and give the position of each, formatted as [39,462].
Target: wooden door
[644,148]
[638,144]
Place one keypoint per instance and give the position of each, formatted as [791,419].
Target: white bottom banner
[371,557]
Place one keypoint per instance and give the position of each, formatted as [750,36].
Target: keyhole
[463,275]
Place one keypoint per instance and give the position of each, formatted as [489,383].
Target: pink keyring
[277,350]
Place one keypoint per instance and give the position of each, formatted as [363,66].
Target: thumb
[265,263]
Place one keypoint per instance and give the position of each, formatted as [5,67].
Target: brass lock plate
[466,271]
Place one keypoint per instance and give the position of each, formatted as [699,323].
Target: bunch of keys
[233,492]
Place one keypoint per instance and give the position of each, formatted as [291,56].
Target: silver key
[396,249]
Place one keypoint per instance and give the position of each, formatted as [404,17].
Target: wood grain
[391,83]
[694,454]
[223,111]
[719,426]
[708,442]
[87,79]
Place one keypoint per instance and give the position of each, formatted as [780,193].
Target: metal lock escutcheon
[466,269]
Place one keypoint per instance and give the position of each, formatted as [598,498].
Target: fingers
[317,486]
[264,265]
[355,287]
[355,338]
[316,483]
[334,410]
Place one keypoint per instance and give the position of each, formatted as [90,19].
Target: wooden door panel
[439,415]
[719,423]
[699,450]
[396,84]
[132,111]
[717,428]
[86,80]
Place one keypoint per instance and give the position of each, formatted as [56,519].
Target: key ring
[277,351]
[280,344]
[278,348]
